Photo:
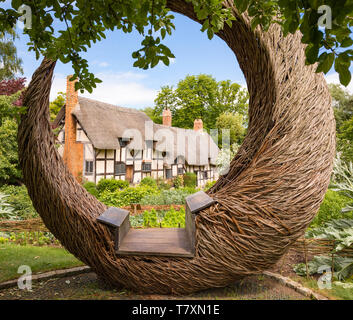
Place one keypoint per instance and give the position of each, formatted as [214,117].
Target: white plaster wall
[110,166]
[100,167]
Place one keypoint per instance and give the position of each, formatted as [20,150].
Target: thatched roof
[104,124]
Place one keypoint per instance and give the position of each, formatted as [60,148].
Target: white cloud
[126,89]
[104,64]
[334,78]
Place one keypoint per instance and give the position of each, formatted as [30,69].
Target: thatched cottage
[99,140]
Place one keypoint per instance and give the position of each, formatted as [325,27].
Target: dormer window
[123,142]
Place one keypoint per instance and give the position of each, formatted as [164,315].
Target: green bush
[150,219]
[91,188]
[111,185]
[20,201]
[176,196]
[121,198]
[154,219]
[174,218]
[331,209]
[190,179]
[209,185]
[178,182]
[162,184]
[6,210]
[148,181]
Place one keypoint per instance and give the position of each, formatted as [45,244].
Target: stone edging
[48,275]
[295,285]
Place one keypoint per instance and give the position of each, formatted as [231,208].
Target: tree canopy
[10,92]
[56,105]
[200,97]
[63,30]
[10,63]
[342,104]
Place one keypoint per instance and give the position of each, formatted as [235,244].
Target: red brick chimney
[167,117]
[73,151]
[198,125]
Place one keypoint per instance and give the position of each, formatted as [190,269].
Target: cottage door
[130,173]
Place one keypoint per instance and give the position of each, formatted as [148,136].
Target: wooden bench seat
[169,242]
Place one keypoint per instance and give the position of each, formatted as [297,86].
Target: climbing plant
[63,30]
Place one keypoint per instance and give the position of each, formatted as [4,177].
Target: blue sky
[127,86]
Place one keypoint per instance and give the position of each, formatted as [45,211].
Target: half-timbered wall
[99,164]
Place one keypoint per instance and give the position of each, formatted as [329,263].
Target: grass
[40,259]
[336,293]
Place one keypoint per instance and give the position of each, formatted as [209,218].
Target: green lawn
[38,258]
[336,293]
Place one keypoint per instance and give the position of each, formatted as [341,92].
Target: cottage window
[168,173]
[180,171]
[88,168]
[146,167]
[120,168]
[205,175]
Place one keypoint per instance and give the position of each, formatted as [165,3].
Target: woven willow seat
[273,189]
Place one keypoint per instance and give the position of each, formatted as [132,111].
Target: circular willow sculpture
[272,192]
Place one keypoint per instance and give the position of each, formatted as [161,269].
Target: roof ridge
[106,104]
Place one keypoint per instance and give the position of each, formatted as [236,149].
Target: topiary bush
[148,181]
[111,185]
[331,208]
[190,179]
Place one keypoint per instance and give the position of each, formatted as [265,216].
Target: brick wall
[73,151]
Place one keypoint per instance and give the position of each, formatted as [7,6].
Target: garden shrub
[176,196]
[150,219]
[20,201]
[6,211]
[154,219]
[178,182]
[190,179]
[331,208]
[91,188]
[174,218]
[162,184]
[111,185]
[148,181]
[125,197]
[209,185]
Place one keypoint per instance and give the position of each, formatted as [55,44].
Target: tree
[235,124]
[63,30]
[10,92]
[10,172]
[10,98]
[150,112]
[201,97]
[342,102]
[10,63]
[56,105]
